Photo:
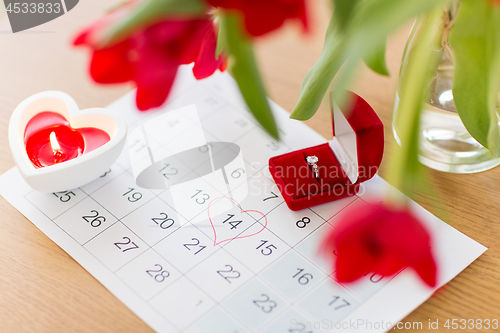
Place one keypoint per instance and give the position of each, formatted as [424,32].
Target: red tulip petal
[408,243]
[389,265]
[426,269]
[259,20]
[302,16]
[152,96]
[111,65]
[154,84]
[382,240]
[263,16]
[197,36]
[168,31]
[82,37]
[206,64]
[87,36]
[220,3]
[355,256]
[161,49]
[178,40]
[222,62]
[352,265]
[150,57]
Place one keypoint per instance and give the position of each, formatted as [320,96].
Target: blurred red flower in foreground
[263,16]
[150,57]
[379,239]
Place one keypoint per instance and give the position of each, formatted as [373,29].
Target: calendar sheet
[180,268]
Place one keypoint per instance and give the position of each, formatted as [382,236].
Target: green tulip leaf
[243,67]
[220,39]
[319,77]
[475,41]
[416,78]
[372,21]
[147,13]
[343,11]
[376,60]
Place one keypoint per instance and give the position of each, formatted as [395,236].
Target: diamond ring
[313,162]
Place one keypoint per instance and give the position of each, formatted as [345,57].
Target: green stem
[422,62]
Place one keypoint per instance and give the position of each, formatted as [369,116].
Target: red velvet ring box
[352,157]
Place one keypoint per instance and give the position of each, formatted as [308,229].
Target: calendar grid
[184,275]
[291,304]
[220,253]
[117,221]
[25,196]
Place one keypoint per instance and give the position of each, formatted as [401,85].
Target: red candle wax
[67,144]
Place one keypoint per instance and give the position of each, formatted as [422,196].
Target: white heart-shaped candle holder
[74,172]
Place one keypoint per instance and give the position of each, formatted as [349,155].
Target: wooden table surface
[44,290]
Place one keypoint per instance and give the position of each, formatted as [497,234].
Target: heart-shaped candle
[58,147]
[49,139]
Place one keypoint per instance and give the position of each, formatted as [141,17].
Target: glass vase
[444,143]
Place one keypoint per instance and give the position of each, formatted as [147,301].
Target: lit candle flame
[53,142]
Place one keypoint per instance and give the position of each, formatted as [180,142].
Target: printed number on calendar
[304,278]
[301,328]
[164,221]
[205,148]
[237,173]
[200,197]
[302,223]
[267,249]
[233,224]
[64,196]
[338,303]
[241,122]
[105,174]
[139,145]
[195,246]
[266,304]
[229,273]
[159,275]
[126,245]
[374,278]
[95,220]
[133,197]
[168,171]
[273,196]
[273,146]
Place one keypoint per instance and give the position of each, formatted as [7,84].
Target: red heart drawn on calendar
[229,216]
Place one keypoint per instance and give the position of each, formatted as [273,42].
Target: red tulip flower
[263,16]
[380,239]
[150,56]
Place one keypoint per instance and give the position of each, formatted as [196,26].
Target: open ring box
[352,157]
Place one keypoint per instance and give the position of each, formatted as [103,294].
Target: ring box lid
[358,137]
